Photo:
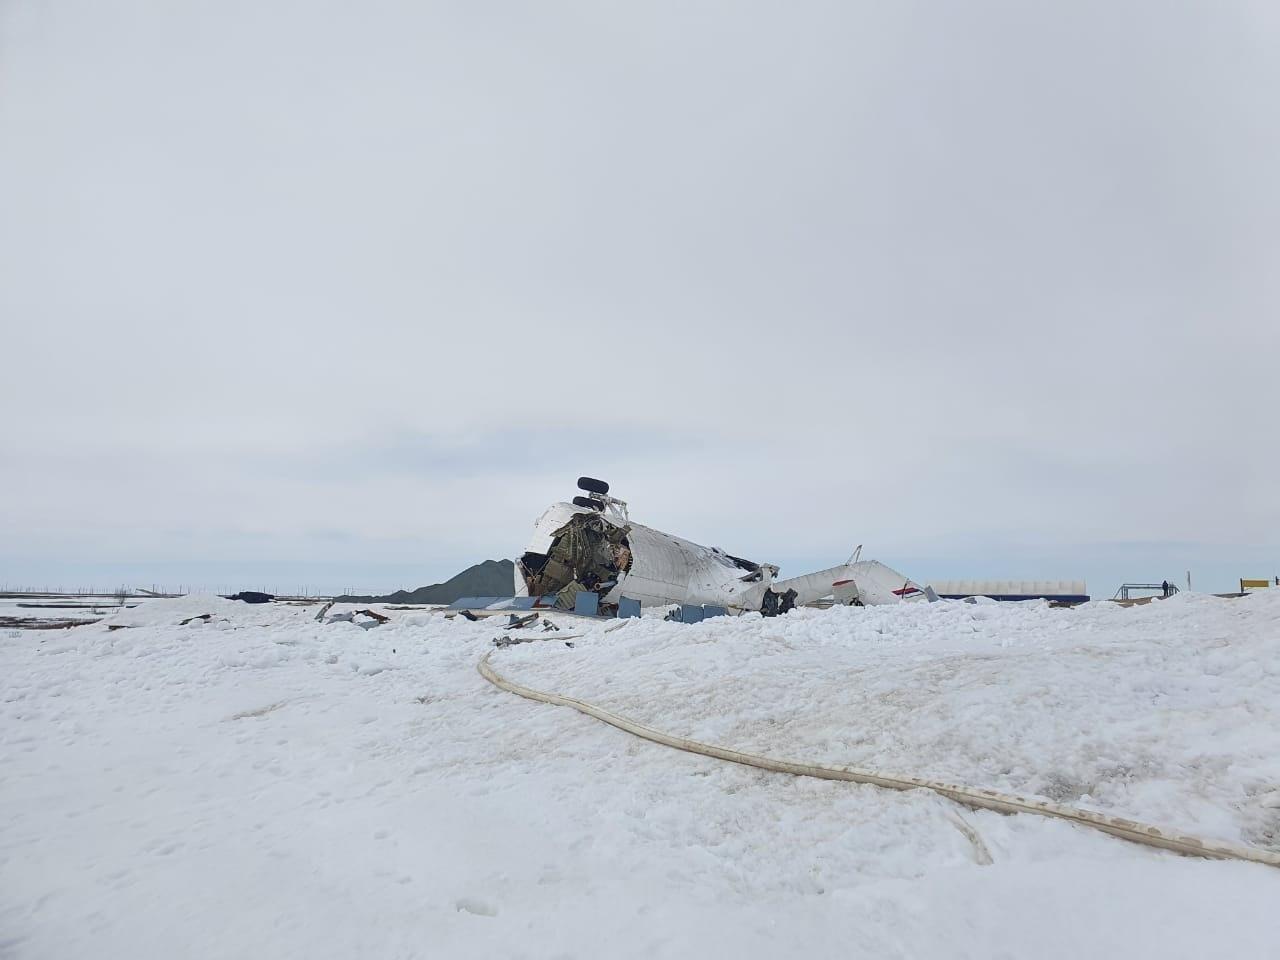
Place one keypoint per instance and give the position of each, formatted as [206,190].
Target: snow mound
[169,611]
[1168,713]
[265,785]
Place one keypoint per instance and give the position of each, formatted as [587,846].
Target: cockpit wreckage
[592,546]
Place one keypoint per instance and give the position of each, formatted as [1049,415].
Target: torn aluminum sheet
[593,545]
[374,619]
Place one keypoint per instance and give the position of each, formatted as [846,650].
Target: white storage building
[1066,591]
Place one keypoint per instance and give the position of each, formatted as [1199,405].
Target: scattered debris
[776,604]
[325,609]
[375,619]
[468,615]
[252,596]
[519,623]
[505,641]
[206,617]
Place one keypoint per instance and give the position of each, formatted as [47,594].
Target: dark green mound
[493,578]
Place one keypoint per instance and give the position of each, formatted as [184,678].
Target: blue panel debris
[587,603]
[628,607]
[690,613]
[710,610]
[474,603]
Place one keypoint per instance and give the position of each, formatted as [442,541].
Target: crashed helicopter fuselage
[592,545]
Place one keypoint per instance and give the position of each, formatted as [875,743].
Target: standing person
[1164,586]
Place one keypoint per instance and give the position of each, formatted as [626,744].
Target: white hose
[969,796]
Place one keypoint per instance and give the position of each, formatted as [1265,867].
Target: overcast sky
[338,295]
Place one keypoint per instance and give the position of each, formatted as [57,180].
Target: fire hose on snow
[975,798]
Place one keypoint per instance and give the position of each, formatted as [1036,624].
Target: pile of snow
[173,610]
[262,784]
[1167,712]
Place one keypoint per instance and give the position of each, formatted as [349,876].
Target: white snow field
[262,785]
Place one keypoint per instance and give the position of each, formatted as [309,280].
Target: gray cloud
[926,276]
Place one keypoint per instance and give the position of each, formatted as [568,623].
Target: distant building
[1063,591]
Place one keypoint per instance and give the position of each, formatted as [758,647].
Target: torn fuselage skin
[588,552]
[577,547]
[592,545]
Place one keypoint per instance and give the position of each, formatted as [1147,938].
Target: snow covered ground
[264,785]
[60,608]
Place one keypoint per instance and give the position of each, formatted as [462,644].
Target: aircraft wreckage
[592,545]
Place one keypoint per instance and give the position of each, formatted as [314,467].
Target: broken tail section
[858,583]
